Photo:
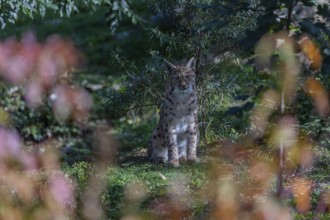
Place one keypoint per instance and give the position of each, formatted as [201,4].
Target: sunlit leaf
[312,52]
[320,97]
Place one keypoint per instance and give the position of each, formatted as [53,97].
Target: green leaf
[42,10]
[68,10]
[52,6]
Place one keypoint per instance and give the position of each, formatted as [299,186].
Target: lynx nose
[183,85]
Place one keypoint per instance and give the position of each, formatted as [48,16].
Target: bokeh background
[82,83]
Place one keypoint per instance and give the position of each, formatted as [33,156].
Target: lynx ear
[191,63]
[169,66]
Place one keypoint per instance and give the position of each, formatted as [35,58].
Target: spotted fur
[176,135]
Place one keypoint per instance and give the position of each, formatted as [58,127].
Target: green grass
[312,215]
[155,181]
[154,185]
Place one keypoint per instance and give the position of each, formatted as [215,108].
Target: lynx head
[182,78]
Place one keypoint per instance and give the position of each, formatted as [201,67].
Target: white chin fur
[178,91]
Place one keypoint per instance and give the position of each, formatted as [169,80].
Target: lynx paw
[174,163]
[183,159]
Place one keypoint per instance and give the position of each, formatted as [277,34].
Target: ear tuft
[191,63]
[169,66]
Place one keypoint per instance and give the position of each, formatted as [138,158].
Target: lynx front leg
[173,154]
[192,143]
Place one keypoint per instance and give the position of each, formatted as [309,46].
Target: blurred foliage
[37,125]
[125,42]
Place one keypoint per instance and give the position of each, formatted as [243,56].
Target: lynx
[175,138]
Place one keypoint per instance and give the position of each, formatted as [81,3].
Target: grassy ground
[136,187]
[152,184]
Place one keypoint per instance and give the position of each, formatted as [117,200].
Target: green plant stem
[281,154]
